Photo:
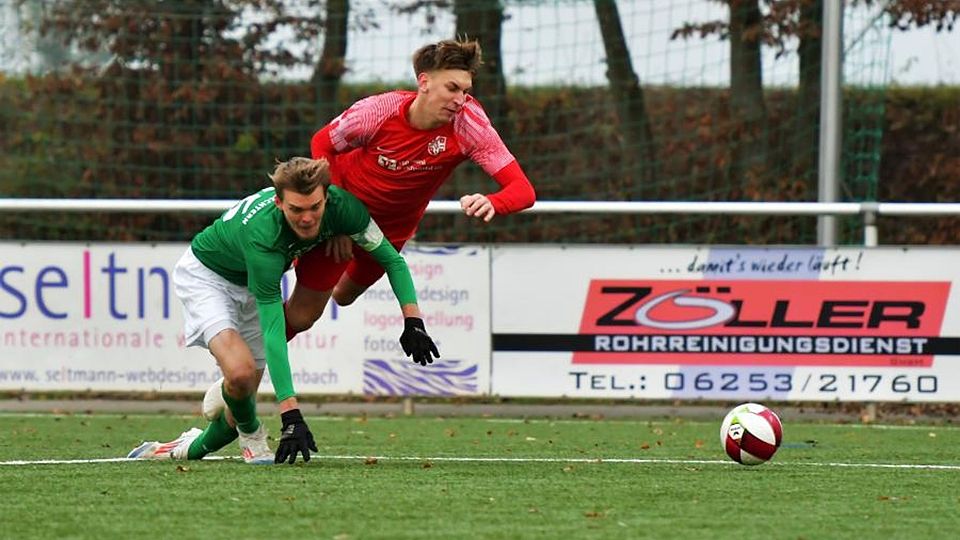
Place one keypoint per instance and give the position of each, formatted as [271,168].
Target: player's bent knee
[347,293]
[344,299]
[302,319]
[241,381]
[304,307]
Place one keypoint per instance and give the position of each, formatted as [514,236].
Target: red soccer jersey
[395,169]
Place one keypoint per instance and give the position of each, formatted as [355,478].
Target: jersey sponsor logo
[436,146]
[779,322]
[387,163]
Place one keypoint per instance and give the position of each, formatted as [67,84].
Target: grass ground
[482,478]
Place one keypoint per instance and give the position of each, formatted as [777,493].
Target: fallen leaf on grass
[181,468]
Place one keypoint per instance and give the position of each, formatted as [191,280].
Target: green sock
[244,411]
[217,435]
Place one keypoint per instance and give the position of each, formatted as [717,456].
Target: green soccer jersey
[252,245]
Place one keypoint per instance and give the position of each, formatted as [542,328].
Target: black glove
[416,343]
[294,437]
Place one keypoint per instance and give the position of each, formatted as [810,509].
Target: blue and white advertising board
[104,317]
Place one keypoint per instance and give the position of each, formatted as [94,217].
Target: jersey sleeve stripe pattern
[356,125]
[479,140]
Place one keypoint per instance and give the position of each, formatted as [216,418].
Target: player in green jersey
[229,283]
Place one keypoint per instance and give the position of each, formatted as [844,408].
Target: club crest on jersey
[437,145]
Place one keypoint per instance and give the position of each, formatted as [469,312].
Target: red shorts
[319,272]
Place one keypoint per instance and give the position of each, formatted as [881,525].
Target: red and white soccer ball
[751,433]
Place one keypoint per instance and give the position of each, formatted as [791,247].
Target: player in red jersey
[393,151]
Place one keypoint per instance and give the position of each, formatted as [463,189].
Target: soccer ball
[751,433]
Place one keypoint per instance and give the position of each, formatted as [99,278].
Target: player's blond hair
[448,54]
[301,175]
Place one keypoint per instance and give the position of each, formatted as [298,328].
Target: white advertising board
[878,324]
[104,317]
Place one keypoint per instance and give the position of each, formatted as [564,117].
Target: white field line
[138,415]
[816,423]
[333,418]
[481,459]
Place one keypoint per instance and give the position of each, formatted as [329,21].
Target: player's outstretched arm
[516,194]
[415,341]
[295,437]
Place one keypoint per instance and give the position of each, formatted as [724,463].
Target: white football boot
[175,449]
[254,447]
